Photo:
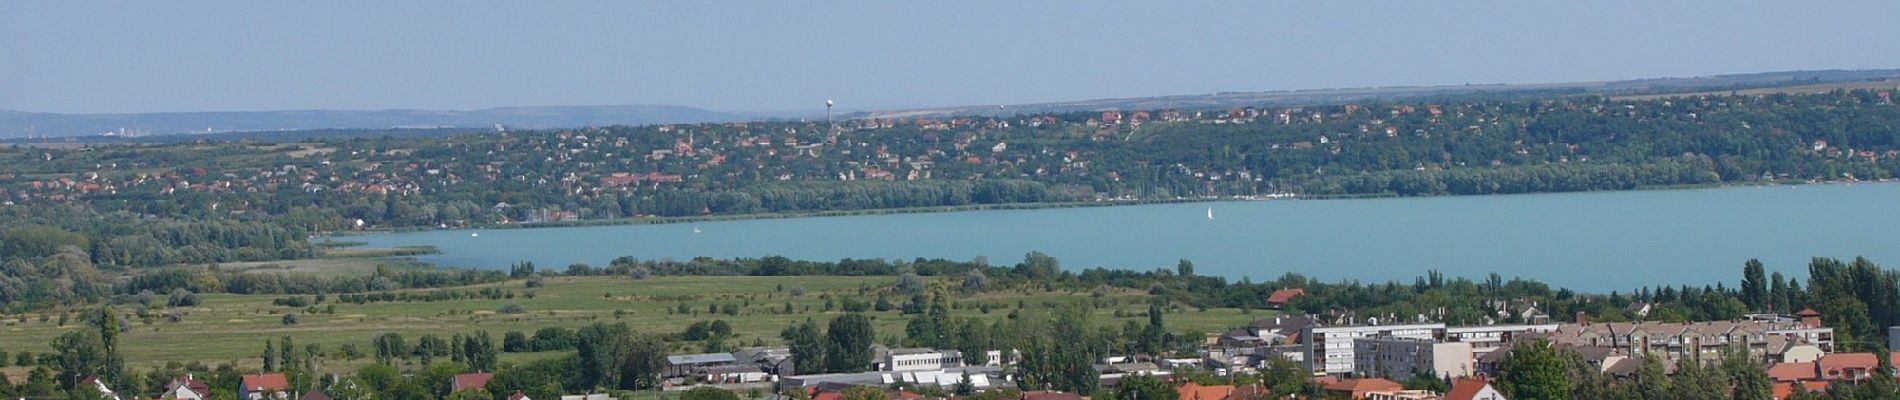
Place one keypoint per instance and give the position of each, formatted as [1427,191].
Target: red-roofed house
[1850,366]
[1473,389]
[1794,371]
[186,388]
[1357,388]
[1048,395]
[519,396]
[99,385]
[470,381]
[263,387]
[1281,297]
[1194,391]
[1784,390]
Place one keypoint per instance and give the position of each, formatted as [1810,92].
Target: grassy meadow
[233,328]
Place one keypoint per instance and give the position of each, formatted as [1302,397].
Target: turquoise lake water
[1598,241]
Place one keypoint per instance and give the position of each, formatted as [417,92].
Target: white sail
[1210,213]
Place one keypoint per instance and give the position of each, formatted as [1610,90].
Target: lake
[1597,241]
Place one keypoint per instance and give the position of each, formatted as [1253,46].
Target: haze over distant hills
[15,124]
[1349,95]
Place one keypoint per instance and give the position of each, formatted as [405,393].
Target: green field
[233,328]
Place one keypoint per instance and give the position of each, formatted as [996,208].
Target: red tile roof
[468,381]
[1790,372]
[1285,295]
[1834,365]
[1783,390]
[266,382]
[1466,388]
[1807,312]
[1194,391]
[194,385]
[1358,387]
[1048,395]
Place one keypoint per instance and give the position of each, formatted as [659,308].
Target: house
[519,396]
[1793,352]
[1358,388]
[1639,309]
[1784,390]
[590,396]
[1847,366]
[1404,395]
[100,386]
[1794,372]
[1194,391]
[186,388]
[470,381]
[1473,389]
[1279,298]
[314,395]
[263,387]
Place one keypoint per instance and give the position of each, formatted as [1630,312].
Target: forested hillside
[147,205]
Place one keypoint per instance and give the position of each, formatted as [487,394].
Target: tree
[1754,285]
[270,355]
[1536,370]
[1144,387]
[708,393]
[1154,336]
[807,347]
[479,351]
[1184,268]
[1751,381]
[864,393]
[644,363]
[601,349]
[80,354]
[390,347]
[848,343]
[107,323]
[965,386]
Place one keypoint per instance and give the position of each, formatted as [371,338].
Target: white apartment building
[1329,349]
[1487,338]
[1401,358]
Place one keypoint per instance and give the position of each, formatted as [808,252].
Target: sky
[753,56]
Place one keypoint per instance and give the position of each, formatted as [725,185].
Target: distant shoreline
[1028,206]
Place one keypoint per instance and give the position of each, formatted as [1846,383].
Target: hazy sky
[80,56]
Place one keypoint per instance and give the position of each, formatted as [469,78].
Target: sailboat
[695,229]
[1210,213]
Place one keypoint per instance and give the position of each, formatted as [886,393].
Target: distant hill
[1638,87]
[16,124]
[246,124]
